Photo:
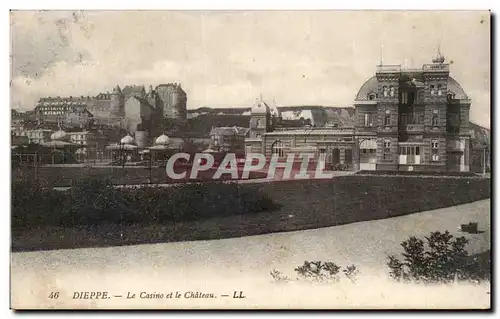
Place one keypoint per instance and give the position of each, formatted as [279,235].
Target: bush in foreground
[319,272]
[440,259]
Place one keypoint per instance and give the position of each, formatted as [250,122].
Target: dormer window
[450,96]
[372,96]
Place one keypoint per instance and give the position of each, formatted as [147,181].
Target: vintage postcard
[250,159]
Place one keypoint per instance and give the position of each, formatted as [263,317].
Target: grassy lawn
[303,205]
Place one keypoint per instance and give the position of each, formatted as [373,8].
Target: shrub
[318,271]
[96,201]
[279,277]
[445,260]
[33,205]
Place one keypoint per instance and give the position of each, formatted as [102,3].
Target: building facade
[173,100]
[34,136]
[413,119]
[228,139]
[405,119]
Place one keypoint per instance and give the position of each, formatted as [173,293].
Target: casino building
[405,119]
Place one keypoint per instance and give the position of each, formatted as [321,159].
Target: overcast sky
[230,58]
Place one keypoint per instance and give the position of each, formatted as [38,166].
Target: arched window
[372,96]
[391,91]
[439,90]
[277,148]
[432,90]
[259,123]
[385,90]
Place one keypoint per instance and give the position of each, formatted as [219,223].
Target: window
[435,118]
[434,150]
[385,90]
[387,150]
[404,98]
[391,91]
[277,148]
[348,156]
[387,120]
[411,153]
[432,90]
[368,119]
[439,90]
[372,96]
[419,97]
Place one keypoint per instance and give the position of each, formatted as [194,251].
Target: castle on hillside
[166,100]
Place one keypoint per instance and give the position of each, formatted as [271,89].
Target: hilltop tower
[117,104]
[173,100]
[260,121]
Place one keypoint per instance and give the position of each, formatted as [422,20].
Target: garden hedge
[93,202]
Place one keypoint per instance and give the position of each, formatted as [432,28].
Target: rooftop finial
[439,57]
[381,55]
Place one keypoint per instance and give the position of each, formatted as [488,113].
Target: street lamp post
[150,167]
[122,155]
[484,161]
[35,164]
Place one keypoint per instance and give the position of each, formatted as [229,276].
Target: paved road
[243,264]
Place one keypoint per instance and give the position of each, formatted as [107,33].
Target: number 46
[54,295]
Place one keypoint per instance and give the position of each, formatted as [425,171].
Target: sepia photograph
[250,159]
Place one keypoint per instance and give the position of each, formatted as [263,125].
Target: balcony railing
[414,127]
[436,67]
[389,68]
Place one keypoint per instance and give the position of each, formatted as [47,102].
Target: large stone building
[173,100]
[413,119]
[168,101]
[405,119]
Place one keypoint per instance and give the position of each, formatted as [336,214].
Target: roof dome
[59,136]
[454,88]
[260,107]
[439,58]
[162,140]
[127,140]
[274,110]
[370,87]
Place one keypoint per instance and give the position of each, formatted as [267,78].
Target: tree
[444,260]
